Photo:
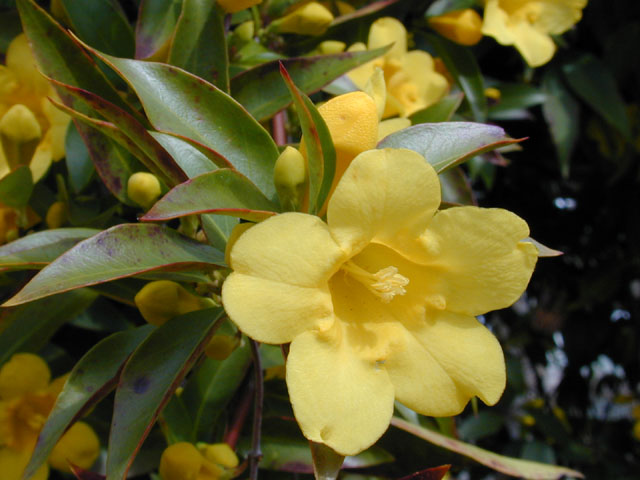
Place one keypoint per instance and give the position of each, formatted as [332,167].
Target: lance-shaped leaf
[191,160]
[199,44]
[156,23]
[500,463]
[16,187]
[441,111]
[179,102]
[163,164]
[91,379]
[262,91]
[41,248]
[121,251]
[321,154]
[149,379]
[222,191]
[448,144]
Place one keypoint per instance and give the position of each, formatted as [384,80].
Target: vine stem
[278,127]
[256,454]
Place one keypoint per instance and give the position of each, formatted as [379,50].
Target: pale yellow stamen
[384,284]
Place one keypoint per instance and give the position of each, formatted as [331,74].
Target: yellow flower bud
[143,188]
[329,47]
[233,6]
[245,31]
[56,215]
[23,373]
[461,26]
[310,19]
[221,346]
[79,445]
[20,134]
[180,461]
[528,420]
[492,93]
[162,300]
[221,454]
[290,178]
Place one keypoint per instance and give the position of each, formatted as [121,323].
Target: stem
[279,131]
[232,436]
[255,455]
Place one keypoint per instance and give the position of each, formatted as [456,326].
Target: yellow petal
[338,398]
[559,16]
[309,19]
[13,463]
[384,196]
[79,446]
[461,26]
[361,75]
[377,89]
[467,351]
[536,47]
[392,125]
[23,373]
[495,23]
[180,461]
[220,453]
[386,31]
[42,157]
[22,63]
[272,311]
[292,248]
[480,260]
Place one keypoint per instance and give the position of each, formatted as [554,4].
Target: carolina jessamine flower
[461,26]
[32,130]
[529,24]
[26,398]
[410,76]
[379,302]
[183,461]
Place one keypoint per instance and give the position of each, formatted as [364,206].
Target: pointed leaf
[148,380]
[199,44]
[16,187]
[78,160]
[261,89]
[543,250]
[436,473]
[448,144]
[500,463]
[441,111]
[82,474]
[191,160]
[91,379]
[456,187]
[41,248]
[156,23]
[121,251]
[326,462]
[222,191]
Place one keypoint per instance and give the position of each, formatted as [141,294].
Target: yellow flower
[379,302]
[144,188]
[161,300]
[32,130]
[461,26]
[183,461]
[529,24]
[411,79]
[233,6]
[27,396]
[309,19]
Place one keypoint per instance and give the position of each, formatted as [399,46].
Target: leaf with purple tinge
[435,473]
[363,12]
[222,191]
[156,23]
[144,389]
[91,379]
[82,474]
[445,145]
[121,251]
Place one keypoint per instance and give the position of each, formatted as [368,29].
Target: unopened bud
[461,26]
[143,188]
[56,215]
[290,178]
[245,31]
[180,461]
[310,19]
[20,134]
[221,346]
[162,300]
[233,6]
[220,454]
[329,47]
[79,446]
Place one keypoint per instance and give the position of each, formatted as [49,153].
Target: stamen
[385,283]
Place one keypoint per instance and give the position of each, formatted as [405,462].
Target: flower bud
[221,346]
[461,26]
[162,300]
[221,454]
[290,178]
[56,215]
[310,19]
[143,188]
[79,445]
[329,47]
[23,373]
[245,31]
[180,461]
[20,134]
[233,6]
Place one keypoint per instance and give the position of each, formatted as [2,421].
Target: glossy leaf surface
[156,23]
[441,111]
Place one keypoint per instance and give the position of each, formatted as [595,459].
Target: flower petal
[275,312]
[495,23]
[292,248]
[23,373]
[535,46]
[13,463]
[384,196]
[467,351]
[339,398]
[386,31]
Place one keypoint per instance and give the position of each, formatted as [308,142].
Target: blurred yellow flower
[379,302]
[183,461]
[412,82]
[32,130]
[461,26]
[309,19]
[529,24]
[27,396]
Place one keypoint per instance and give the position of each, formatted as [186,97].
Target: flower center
[384,284]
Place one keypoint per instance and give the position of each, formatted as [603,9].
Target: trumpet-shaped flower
[26,398]
[529,24]
[379,302]
[410,76]
[32,130]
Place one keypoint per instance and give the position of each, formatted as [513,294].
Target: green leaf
[262,91]
[175,421]
[78,160]
[510,466]
[441,111]
[191,160]
[9,28]
[448,144]
[157,20]
[462,65]
[514,98]
[121,251]
[217,229]
[199,44]
[16,187]
[153,372]
[321,154]
[326,462]
[210,389]
[106,26]
[41,248]
[456,187]
[222,191]
[440,7]
[478,426]
[91,379]
[178,102]
[435,473]
[29,327]
[561,111]
[592,80]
